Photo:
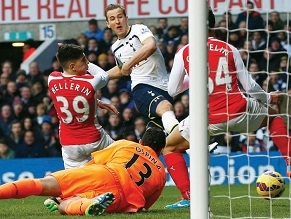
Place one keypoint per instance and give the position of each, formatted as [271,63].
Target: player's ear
[140,141]
[72,66]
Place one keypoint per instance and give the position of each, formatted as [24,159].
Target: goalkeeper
[125,177]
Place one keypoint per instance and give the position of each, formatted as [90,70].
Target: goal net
[261,31]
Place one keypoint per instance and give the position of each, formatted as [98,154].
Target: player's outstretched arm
[107,106]
[96,70]
[250,86]
[115,72]
[178,80]
[148,48]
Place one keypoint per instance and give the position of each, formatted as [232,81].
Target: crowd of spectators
[28,120]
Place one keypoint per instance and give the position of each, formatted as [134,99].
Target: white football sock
[169,121]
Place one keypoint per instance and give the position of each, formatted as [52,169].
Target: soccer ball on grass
[270,184]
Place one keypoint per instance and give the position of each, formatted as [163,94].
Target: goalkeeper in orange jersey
[125,177]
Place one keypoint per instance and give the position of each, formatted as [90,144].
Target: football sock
[169,121]
[178,170]
[78,206]
[280,136]
[21,188]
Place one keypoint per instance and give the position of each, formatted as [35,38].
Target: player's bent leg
[165,110]
[99,204]
[285,109]
[53,190]
[169,121]
[153,103]
[176,144]
[184,203]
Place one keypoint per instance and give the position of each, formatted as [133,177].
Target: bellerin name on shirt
[70,86]
[216,49]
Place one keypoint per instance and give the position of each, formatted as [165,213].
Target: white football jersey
[151,71]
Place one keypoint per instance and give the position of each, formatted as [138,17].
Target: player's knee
[175,149]
[168,149]
[51,186]
[163,107]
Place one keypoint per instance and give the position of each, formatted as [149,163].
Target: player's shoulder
[55,74]
[116,45]
[138,26]
[216,41]
[139,29]
[85,76]
[183,49]
[220,43]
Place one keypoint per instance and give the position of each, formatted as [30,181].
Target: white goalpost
[198,109]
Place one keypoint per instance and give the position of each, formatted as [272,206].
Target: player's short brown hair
[68,53]
[112,7]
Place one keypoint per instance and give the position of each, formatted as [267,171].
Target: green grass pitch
[226,202]
[242,201]
[33,208]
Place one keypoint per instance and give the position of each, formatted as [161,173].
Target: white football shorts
[78,155]
[245,123]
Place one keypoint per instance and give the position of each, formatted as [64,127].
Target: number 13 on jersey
[143,174]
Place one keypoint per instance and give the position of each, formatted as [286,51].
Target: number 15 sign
[47,31]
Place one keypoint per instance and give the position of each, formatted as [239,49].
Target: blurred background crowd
[28,120]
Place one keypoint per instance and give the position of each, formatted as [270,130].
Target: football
[270,184]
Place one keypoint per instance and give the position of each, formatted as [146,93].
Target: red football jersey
[75,102]
[226,101]
[226,71]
